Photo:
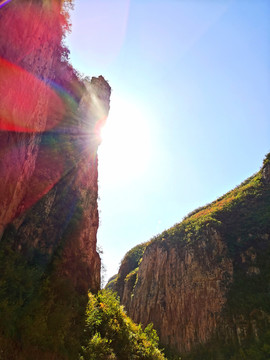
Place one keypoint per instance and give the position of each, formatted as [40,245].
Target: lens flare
[3,3]
[21,95]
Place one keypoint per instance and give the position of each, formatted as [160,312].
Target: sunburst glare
[126,142]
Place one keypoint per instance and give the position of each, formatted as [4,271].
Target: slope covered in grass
[225,245]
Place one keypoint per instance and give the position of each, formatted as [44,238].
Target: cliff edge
[204,282]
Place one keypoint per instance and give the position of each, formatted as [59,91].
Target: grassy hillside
[242,218]
[247,207]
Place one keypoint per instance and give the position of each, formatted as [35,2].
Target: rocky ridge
[203,283]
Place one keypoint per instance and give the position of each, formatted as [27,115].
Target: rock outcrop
[203,283]
[182,289]
[49,133]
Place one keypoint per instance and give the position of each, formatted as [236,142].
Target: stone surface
[203,282]
[49,137]
[182,290]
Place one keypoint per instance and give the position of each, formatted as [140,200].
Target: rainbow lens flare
[3,3]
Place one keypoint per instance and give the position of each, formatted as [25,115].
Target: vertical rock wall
[182,290]
[28,54]
[49,136]
[49,133]
[203,283]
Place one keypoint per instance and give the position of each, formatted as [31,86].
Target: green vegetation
[242,218]
[247,202]
[41,313]
[111,282]
[18,281]
[128,269]
[111,334]
[216,213]
[217,350]
[266,160]
[134,256]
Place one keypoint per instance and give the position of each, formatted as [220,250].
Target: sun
[125,151]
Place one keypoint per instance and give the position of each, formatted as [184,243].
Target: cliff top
[223,210]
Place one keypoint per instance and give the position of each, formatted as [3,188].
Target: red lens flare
[22,95]
[48,172]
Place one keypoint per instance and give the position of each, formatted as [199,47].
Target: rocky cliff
[49,133]
[204,283]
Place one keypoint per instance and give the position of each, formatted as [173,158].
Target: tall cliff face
[49,135]
[183,290]
[24,96]
[205,281]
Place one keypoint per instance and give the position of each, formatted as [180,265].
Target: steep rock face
[204,280]
[59,207]
[123,282]
[49,133]
[182,289]
[24,97]
[49,137]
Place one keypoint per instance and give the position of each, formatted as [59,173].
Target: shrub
[111,334]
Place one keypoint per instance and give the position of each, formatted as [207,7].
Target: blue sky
[190,107]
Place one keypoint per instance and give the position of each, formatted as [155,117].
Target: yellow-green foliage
[129,268]
[111,282]
[267,159]
[227,201]
[242,197]
[133,256]
[133,273]
[111,334]
[242,219]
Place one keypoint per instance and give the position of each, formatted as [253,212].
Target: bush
[111,334]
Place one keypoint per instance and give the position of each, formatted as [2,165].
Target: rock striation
[183,290]
[50,118]
[203,283]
